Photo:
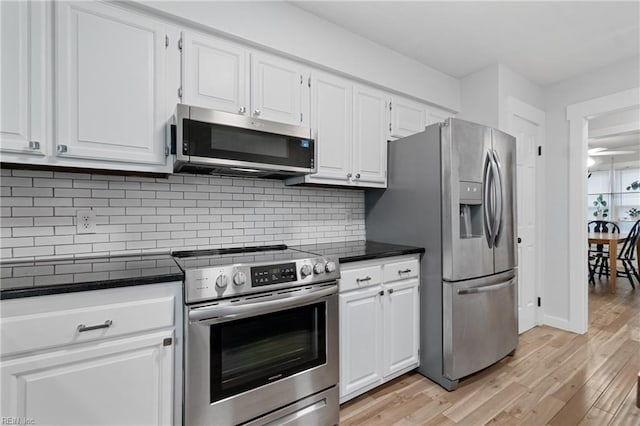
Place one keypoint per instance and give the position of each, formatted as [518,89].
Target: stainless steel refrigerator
[451,190]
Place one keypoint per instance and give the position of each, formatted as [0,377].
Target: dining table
[611,240]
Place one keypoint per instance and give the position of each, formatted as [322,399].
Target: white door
[125,381]
[24,75]
[278,89]
[528,136]
[215,73]
[407,117]
[110,84]
[331,124]
[371,131]
[401,323]
[360,340]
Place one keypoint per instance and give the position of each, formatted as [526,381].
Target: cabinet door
[371,131]
[401,326]
[125,381]
[215,73]
[25,71]
[435,115]
[279,90]
[110,84]
[360,340]
[407,117]
[331,120]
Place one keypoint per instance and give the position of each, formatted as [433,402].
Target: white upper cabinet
[24,111]
[407,117]
[371,131]
[110,87]
[435,115]
[279,90]
[215,73]
[331,117]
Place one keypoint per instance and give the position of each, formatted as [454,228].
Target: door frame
[578,116]
[518,108]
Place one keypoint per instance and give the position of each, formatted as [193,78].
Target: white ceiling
[544,41]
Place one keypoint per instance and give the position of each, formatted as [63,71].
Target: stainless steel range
[261,336]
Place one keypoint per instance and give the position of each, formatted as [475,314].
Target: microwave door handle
[217,314]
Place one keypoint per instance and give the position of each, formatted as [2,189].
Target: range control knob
[239,278]
[318,268]
[330,267]
[305,271]
[222,281]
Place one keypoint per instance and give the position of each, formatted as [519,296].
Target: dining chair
[627,255]
[599,253]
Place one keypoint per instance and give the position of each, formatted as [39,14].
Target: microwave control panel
[273,274]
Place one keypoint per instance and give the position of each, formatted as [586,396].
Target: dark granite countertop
[44,277]
[354,251]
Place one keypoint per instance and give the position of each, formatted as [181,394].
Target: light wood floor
[555,378]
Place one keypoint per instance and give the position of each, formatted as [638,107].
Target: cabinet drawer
[24,333]
[360,278]
[401,270]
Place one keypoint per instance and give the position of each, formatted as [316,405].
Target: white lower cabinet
[379,324]
[116,373]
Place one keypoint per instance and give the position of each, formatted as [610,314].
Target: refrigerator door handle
[486,289]
[487,178]
[499,191]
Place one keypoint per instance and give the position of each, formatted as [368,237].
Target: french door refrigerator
[451,190]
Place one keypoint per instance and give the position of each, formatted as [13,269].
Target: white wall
[605,81]
[479,94]
[284,28]
[484,95]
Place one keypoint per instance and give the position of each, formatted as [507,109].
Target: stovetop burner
[222,273]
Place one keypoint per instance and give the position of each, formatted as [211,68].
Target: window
[612,185]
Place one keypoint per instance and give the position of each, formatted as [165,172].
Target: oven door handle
[217,314]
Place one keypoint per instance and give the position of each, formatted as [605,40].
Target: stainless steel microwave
[209,141]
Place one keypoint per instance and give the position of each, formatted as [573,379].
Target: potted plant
[633,213]
[635,185]
[602,211]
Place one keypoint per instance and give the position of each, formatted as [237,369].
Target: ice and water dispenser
[470,209]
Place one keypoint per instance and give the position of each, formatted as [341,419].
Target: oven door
[247,357]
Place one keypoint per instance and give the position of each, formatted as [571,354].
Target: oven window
[251,352]
[233,143]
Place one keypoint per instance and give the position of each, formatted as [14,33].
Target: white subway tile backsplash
[135,213]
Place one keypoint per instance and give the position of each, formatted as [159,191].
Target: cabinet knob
[381,293]
[242,110]
[35,145]
[349,175]
[62,149]
[390,291]
[256,112]
[357,175]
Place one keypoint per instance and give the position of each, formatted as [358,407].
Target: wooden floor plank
[554,377]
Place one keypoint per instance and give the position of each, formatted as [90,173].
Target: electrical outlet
[85,222]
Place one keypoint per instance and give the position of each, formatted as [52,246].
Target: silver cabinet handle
[497,167]
[486,201]
[367,278]
[83,328]
[349,175]
[35,145]
[256,112]
[62,149]
[242,110]
[357,175]
[390,291]
[404,271]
